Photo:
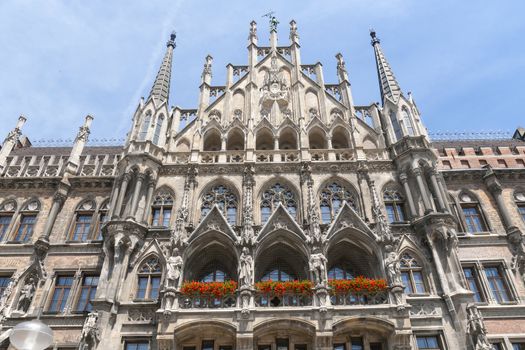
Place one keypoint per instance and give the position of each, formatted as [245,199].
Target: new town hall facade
[278,214]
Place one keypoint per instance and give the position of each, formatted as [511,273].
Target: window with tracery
[341,272]
[158,127]
[519,198]
[225,200]
[161,209]
[412,275]
[332,198]
[398,132]
[275,195]
[215,275]
[80,232]
[408,122]
[149,276]
[394,205]
[144,127]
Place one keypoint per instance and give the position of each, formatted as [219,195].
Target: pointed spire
[252,37]
[206,71]
[387,81]
[161,87]
[10,142]
[294,36]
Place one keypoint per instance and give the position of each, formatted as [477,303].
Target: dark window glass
[149,279]
[5,220]
[264,347]
[300,347]
[473,219]
[339,347]
[82,227]
[4,282]
[282,344]
[215,276]
[376,346]
[472,282]
[87,293]
[521,209]
[497,346]
[25,229]
[497,284]
[395,206]
[224,199]
[61,293]
[428,342]
[412,275]
[332,198]
[518,346]
[138,345]
[207,345]
[225,347]
[357,344]
[144,127]
[340,273]
[188,348]
[161,210]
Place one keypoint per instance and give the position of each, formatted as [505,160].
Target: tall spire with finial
[161,87]
[387,81]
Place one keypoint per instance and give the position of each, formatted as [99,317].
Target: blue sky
[464,61]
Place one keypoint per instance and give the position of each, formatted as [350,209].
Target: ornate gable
[281,220]
[348,218]
[214,221]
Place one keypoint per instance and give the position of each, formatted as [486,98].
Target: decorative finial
[375,39]
[273,21]
[293,31]
[341,68]
[171,42]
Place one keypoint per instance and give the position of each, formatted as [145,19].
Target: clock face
[274,88]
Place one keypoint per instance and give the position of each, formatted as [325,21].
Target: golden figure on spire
[273,21]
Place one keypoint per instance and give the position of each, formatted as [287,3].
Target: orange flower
[209,289]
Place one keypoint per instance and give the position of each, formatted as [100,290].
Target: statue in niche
[245,268]
[173,269]
[26,294]
[89,337]
[393,268]
[317,265]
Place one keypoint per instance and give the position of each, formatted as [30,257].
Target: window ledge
[418,295]
[145,301]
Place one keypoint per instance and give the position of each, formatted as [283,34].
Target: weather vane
[273,21]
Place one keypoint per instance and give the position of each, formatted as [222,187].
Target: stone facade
[276,176]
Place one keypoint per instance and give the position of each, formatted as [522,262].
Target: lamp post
[31,335]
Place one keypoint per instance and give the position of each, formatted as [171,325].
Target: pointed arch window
[398,132]
[214,275]
[278,272]
[144,127]
[149,275]
[225,200]
[332,198]
[412,275]
[7,211]
[161,209]
[158,128]
[81,228]
[341,272]
[407,119]
[519,198]
[474,219]
[394,205]
[26,224]
[275,195]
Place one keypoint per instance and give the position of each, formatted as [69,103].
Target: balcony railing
[288,299]
[205,302]
[359,298]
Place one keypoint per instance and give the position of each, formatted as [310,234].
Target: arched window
[102,219]
[275,195]
[407,119]
[394,205]
[7,211]
[144,127]
[27,221]
[278,272]
[81,228]
[340,273]
[215,275]
[161,209]
[412,275]
[225,200]
[332,198]
[395,124]
[474,220]
[519,197]
[158,127]
[149,276]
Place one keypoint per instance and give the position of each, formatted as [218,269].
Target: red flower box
[209,289]
[279,288]
[360,284]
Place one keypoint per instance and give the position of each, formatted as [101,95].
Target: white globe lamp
[31,335]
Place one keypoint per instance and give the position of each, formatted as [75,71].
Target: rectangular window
[4,282]
[137,345]
[25,228]
[265,214]
[282,344]
[326,215]
[207,345]
[264,347]
[473,283]
[61,293]
[418,282]
[225,347]
[465,164]
[188,348]
[102,219]
[521,208]
[497,284]
[5,220]
[473,219]
[339,347]
[143,287]
[497,346]
[357,344]
[155,215]
[82,227]
[428,342]
[300,347]
[87,293]
[405,278]
[231,215]
[446,164]
[518,346]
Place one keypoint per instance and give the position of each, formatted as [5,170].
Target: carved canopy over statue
[275,87]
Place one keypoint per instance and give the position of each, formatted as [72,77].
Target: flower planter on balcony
[358,291]
[208,294]
[289,293]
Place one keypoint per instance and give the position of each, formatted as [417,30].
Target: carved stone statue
[173,269]
[317,265]
[26,294]
[89,337]
[476,328]
[392,267]
[245,268]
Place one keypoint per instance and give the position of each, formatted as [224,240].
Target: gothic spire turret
[387,81]
[161,87]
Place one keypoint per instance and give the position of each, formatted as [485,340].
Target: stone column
[149,196]
[122,192]
[114,197]
[136,194]
[403,178]
[437,190]
[422,189]
[276,143]
[58,200]
[494,186]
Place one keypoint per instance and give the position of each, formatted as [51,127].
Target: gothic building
[278,214]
